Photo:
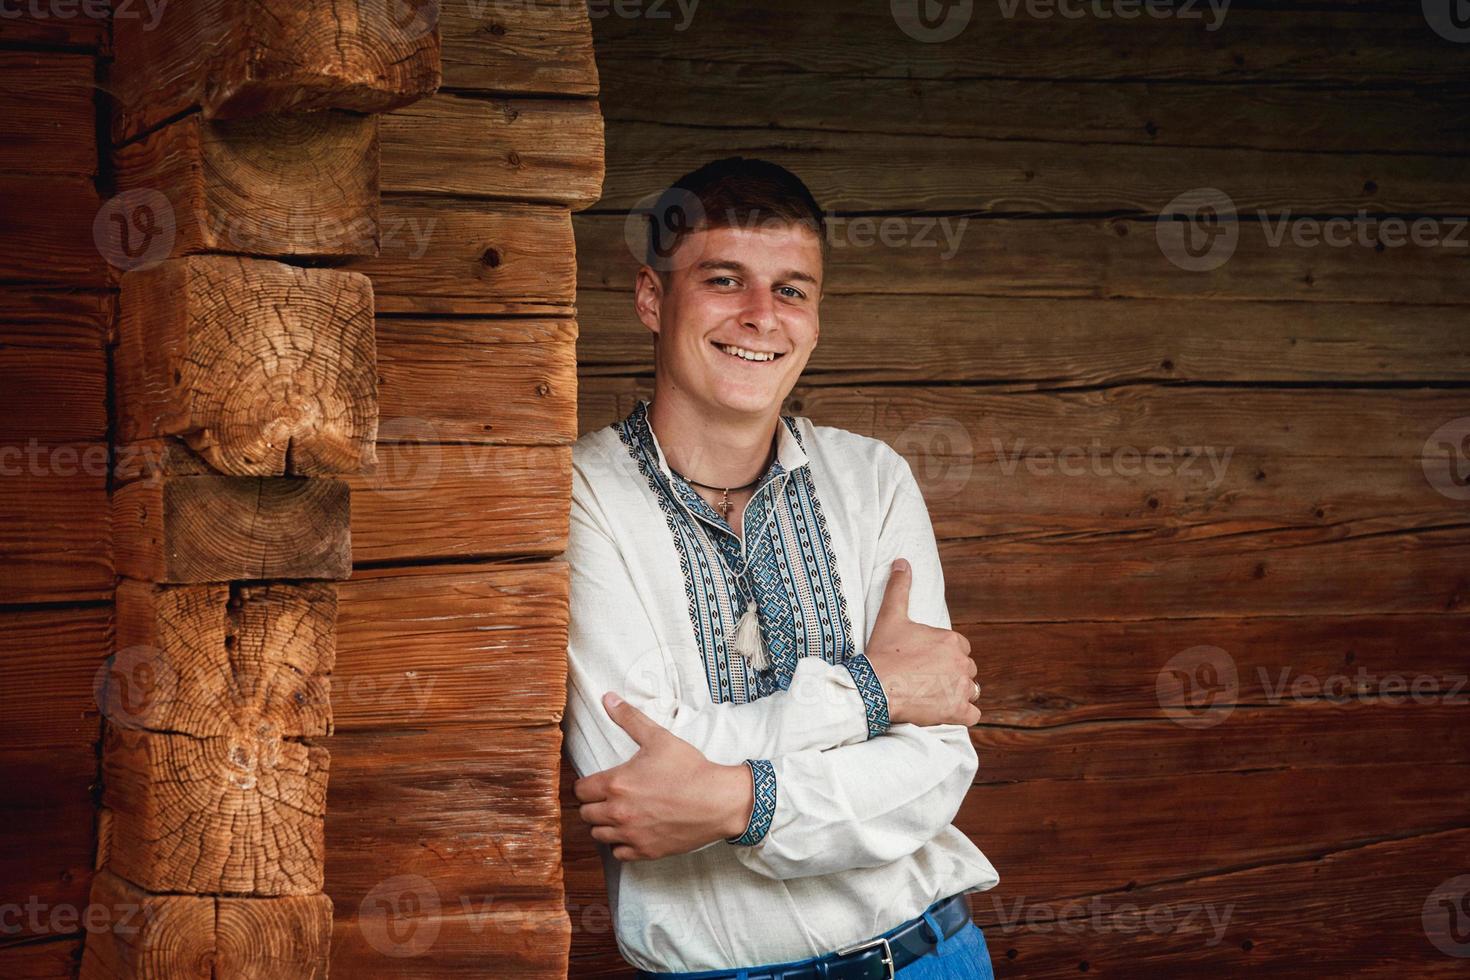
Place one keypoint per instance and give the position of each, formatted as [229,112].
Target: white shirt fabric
[852,831]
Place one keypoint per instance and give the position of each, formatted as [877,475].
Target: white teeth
[749,355]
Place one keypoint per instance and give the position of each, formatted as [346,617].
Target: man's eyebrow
[730,265]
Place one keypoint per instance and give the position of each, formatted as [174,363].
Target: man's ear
[648,294]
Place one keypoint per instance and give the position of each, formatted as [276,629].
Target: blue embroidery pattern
[874,700]
[764,776]
[788,566]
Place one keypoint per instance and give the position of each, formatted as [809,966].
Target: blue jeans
[963,956]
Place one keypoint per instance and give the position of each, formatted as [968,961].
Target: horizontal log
[54,959]
[482,830]
[1051,342]
[238,61]
[432,500]
[436,646]
[284,184]
[55,524]
[65,319]
[47,836]
[1401,119]
[1096,257]
[46,231]
[49,662]
[502,381]
[957,173]
[1268,573]
[220,661]
[238,814]
[81,27]
[193,529]
[441,255]
[50,395]
[207,353]
[1363,47]
[50,121]
[1046,674]
[1358,911]
[528,943]
[504,149]
[146,935]
[535,47]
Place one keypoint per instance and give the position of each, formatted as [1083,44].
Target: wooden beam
[46,227]
[531,47]
[262,368]
[238,813]
[280,184]
[192,529]
[49,120]
[238,60]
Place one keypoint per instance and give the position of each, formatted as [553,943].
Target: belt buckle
[870,944]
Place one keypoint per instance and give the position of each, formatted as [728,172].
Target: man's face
[754,288]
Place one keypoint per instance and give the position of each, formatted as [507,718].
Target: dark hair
[733,192]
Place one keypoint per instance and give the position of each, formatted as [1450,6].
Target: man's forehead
[793,249]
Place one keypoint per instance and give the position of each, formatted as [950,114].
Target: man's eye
[722,281]
[791,292]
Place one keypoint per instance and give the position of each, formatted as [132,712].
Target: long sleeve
[868,804]
[613,645]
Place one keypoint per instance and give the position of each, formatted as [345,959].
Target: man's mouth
[748,354]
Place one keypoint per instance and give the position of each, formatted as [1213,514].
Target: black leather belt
[878,958]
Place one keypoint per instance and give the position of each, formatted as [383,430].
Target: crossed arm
[801,782]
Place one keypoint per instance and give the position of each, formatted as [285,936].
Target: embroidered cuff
[875,702]
[763,775]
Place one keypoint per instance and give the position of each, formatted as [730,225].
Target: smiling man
[766,705]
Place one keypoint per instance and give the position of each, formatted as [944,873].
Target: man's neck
[722,450]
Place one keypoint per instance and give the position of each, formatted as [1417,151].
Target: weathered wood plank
[507,382]
[1401,119]
[47,840]
[474,645]
[50,395]
[433,500]
[524,942]
[283,184]
[540,47]
[263,368]
[1049,342]
[441,255]
[55,959]
[49,660]
[236,61]
[55,524]
[1075,257]
[46,224]
[1056,673]
[82,26]
[501,149]
[238,814]
[49,122]
[193,529]
[1033,176]
[1344,47]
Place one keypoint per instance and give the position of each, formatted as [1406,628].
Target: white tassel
[748,640]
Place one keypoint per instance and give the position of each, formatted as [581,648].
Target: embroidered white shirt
[852,831]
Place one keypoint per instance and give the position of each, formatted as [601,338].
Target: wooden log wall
[1018,330]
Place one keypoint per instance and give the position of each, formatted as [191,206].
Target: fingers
[608,835]
[640,728]
[895,603]
[596,813]
[591,789]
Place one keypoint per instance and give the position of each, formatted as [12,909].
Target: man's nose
[760,311]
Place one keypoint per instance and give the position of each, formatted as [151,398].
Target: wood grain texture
[535,47]
[236,61]
[48,124]
[442,647]
[500,149]
[46,231]
[303,184]
[47,842]
[55,524]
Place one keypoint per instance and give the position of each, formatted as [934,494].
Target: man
[766,704]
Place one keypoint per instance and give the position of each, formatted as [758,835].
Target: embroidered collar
[789,452]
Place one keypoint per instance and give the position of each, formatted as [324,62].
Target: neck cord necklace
[749,642]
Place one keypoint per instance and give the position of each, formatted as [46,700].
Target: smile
[745,353]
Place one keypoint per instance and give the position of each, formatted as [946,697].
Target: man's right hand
[926,672]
